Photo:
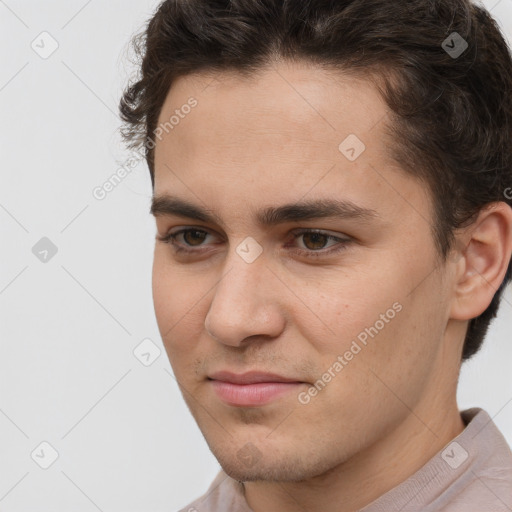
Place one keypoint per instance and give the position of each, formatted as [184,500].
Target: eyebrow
[166,205]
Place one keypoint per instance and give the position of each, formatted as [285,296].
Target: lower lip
[247,395]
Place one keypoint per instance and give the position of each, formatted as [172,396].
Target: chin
[271,467]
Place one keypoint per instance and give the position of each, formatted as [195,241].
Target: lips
[249,377]
[251,389]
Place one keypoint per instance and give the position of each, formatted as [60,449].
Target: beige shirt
[472,473]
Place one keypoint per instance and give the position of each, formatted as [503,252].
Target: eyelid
[342,241]
[173,234]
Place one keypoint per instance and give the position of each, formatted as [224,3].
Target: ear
[481,266]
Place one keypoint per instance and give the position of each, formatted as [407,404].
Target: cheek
[395,349]
[178,302]
[346,308]
[378,328]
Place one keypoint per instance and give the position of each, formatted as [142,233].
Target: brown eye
[314,241]
[315,244]
[194,237]
[185,238]
[318,244]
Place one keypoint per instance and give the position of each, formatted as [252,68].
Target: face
[292,330]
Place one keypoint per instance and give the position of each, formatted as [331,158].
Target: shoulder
[486,482]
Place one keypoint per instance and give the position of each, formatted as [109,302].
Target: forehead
[284,100]
[289,127]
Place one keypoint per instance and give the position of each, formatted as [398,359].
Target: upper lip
[249,377]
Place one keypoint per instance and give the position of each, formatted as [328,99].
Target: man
[334,233]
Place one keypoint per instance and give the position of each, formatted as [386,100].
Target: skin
[270,140]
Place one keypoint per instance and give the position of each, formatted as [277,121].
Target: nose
[245,303]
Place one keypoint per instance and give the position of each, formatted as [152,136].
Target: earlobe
[483,264]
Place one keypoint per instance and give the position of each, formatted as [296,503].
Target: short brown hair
[452,114]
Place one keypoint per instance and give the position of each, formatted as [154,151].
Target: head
[346,185]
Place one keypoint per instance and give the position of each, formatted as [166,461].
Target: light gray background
[124,438]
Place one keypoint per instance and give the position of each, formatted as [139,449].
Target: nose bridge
[241,305]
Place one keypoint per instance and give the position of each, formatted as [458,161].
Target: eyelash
[170,239]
